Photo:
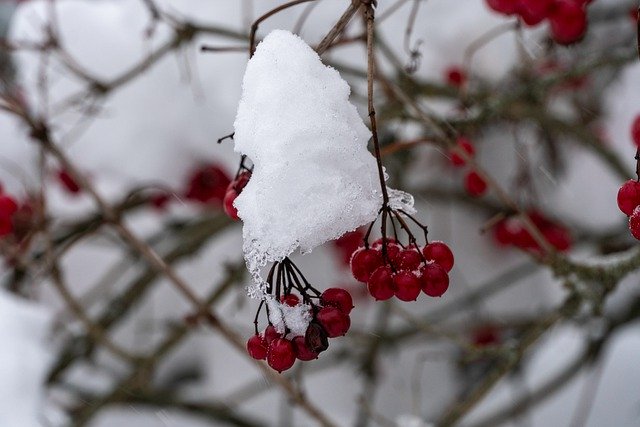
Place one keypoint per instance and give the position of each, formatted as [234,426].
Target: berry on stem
[408,259]
[439,253]
[568,21]
[465,145]
[339,298]
[302,351]
[407,286]
[435,280]
[257,347]
[634,223]
[281,354]
[334,321]
[380,284]
[364,262]
[629,196]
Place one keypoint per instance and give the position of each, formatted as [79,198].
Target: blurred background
[109,125]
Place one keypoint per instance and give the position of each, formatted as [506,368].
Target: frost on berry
[257,347]
[634,223]
[439,253]
[281,354]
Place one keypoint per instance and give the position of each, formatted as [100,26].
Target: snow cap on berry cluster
[313,177]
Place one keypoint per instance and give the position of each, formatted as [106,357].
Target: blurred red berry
[474,184]
[465,145]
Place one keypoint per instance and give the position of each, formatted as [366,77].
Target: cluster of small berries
[474,183]
[512,232]
[567,18]
[234,189]
[390,269]
[330,319]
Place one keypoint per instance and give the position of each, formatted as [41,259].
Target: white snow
[23,361]
[313,178]
[295,318]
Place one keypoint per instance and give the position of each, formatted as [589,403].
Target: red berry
[455,76]
[634,223]
[227,204]
[407,286]
[502,233]
[290,299]
[339,298]
[629,196]
[316,338]
[439,253]
[240,182]
[281,354]
[334,321]
[635,131]
[68,182]
[270,334]
[393,249]
[486,335]
[257,347]
[533,12]
[348,243]
[159,200]
[435,280]
[6,225]
[380,284]
[558,237]
[506,7]
[302,351]
[465,145]
[208,184]
[568,21]
[8,205]
[408,259]
[364,262]
[475,185]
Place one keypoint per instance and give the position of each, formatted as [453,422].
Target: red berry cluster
[207,184]
[329,319]
[474,183]
[234,189]
[512,232]
[390,269]
[567,18]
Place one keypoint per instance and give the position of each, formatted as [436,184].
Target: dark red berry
[558,237]
[506,7]
[339,298]
[281,355]
[364,262]
[257,347]
[290,299]
[348,243]
[8,205]
[380,283]
[160,200]
[474,184]
[407,286]
[334,321]
[208,184]
[439,253]
[392,247]
[533,12]
[455,76]
[301,349]
[485,336]
[270,334]
[462,144]
[240,182]
[316,338]
[629,196]
[634,223]
[228,206]
[408,259]
[435,280]
[568,21]
[635,131]
[68,182]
